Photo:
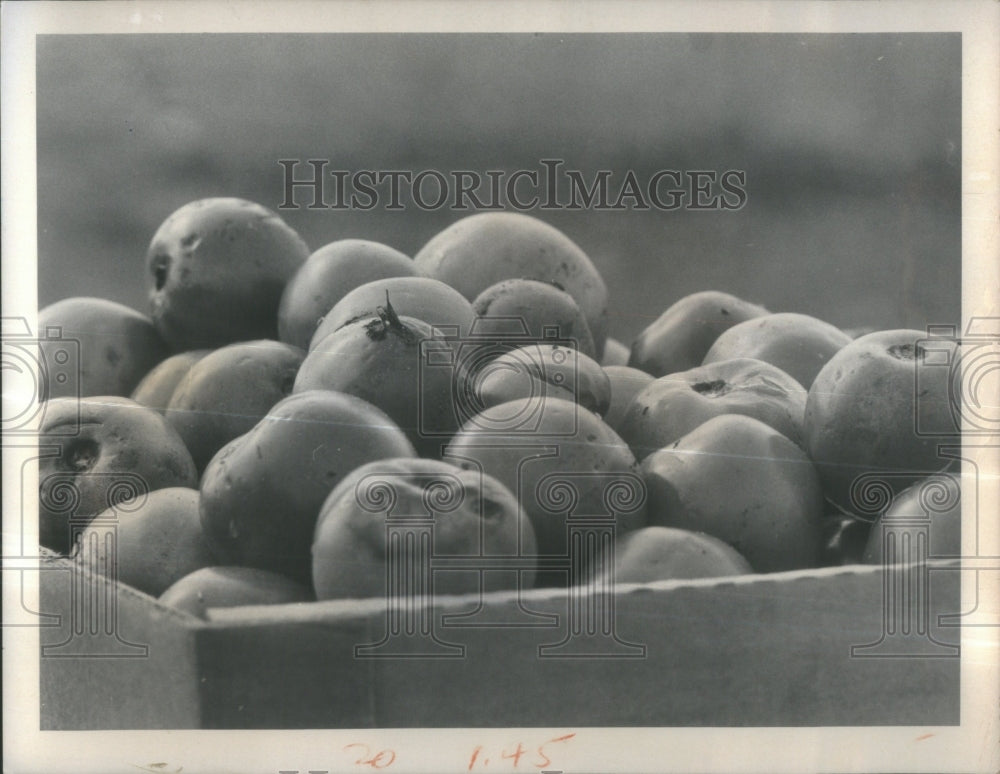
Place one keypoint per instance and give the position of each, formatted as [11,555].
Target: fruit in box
[533,446]
[741,481]
[261,494]
[216,269]
[862,410]
[228,391]
[539,371]
[108,449]
[679,339]
[158,385]
[798,344]
[210,587]
[665,553]
[158,540]
[473,514]
[676,404]
[380,360]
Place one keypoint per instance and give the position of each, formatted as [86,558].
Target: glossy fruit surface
[150,542]
[261,494]
[545,311]
[625,383]
[922,522]
[228,391]
[679,339]
[384,360]
[615,353]
[664,553]
[864,412]
[543,370]
[158,385]
[217,586]
[674,405]
[560,461]
[798,344]
[745,483]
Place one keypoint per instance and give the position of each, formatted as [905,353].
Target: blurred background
[850,144]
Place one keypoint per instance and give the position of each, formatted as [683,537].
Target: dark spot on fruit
[82,453]
[645,410]
[490,509]
[331,474]
[724,311]
[903,351]
[376,330]
[161,269]
[190,242]
[713,388]
[260,454]
[112,355]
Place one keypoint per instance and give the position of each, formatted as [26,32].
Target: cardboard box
[766,650]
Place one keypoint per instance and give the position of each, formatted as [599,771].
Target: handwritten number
[477,759]
[516,755]
[547,760]
[380,760]
[383,758]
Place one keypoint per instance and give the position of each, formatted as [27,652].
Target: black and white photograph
[490,387]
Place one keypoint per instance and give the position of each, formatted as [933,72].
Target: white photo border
[972,746]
